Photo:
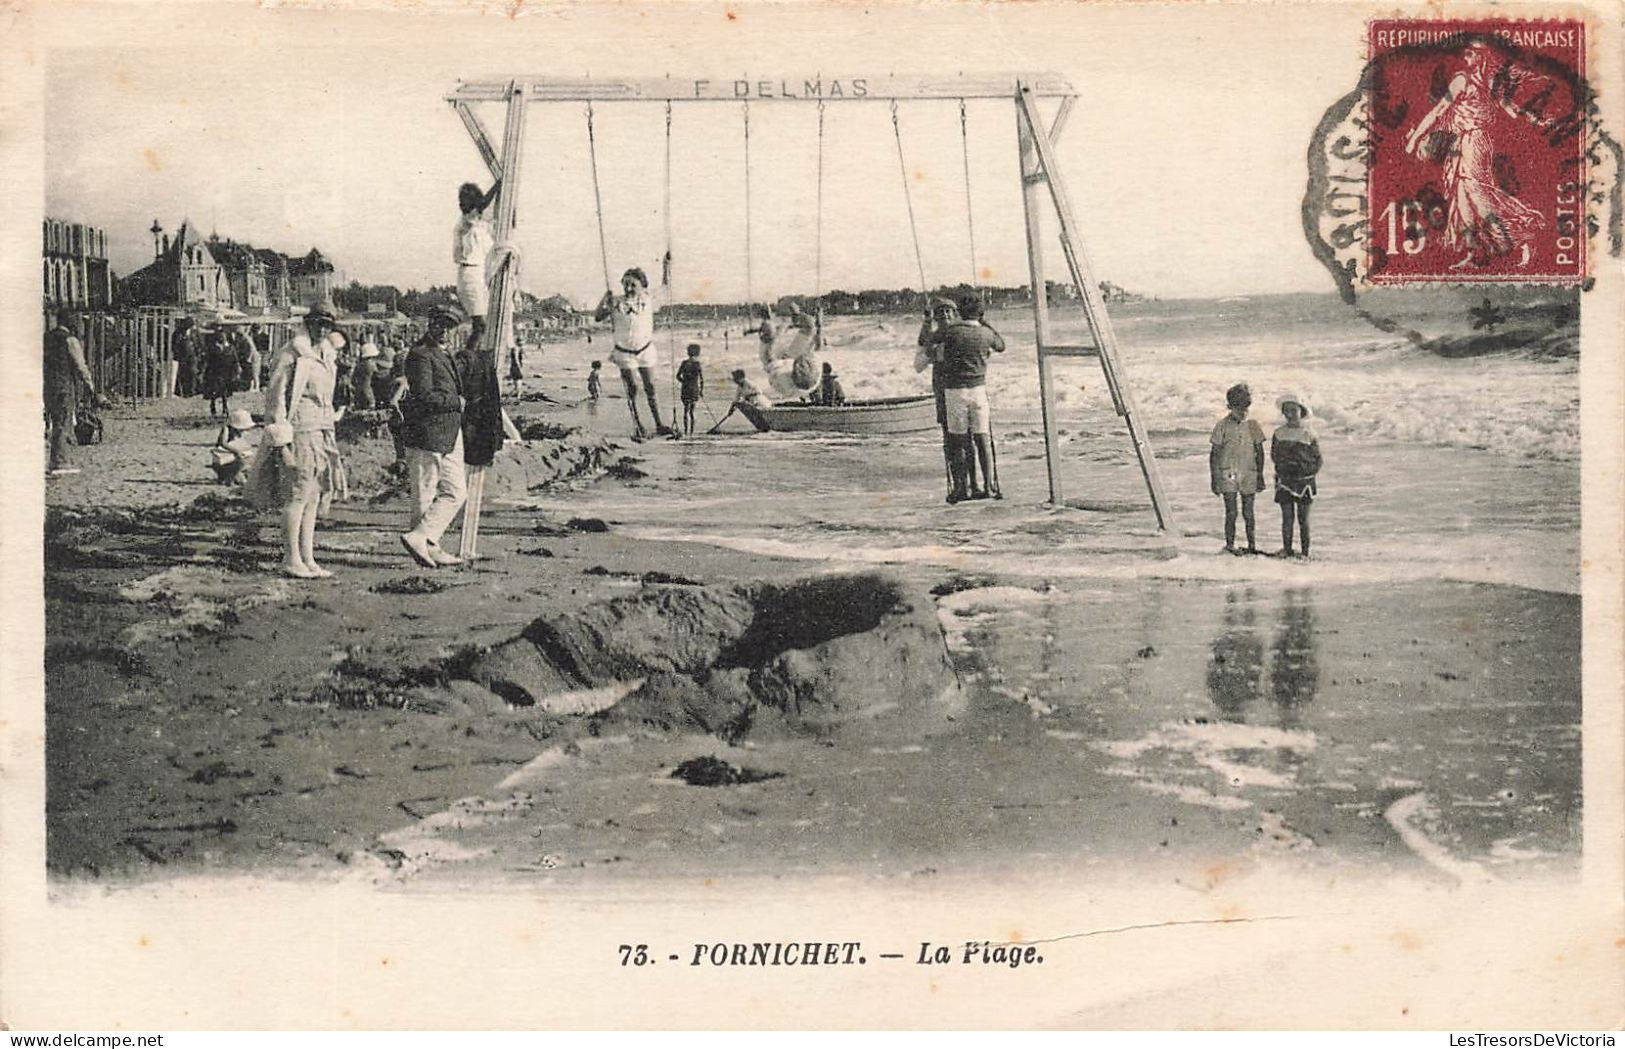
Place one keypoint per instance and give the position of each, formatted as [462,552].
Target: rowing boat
[886,415]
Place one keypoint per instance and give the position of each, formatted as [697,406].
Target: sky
[1185,155]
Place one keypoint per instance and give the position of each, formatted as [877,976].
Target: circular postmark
[1458,194]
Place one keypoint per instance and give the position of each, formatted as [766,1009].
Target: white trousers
[439,487]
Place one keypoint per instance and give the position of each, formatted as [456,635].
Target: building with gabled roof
[183,272]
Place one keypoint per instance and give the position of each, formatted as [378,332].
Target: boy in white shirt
[633,315]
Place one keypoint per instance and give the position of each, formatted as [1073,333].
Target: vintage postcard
[784,516]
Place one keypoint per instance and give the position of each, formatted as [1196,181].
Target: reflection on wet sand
[1294,670]
[1236,666]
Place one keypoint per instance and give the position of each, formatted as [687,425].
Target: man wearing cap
[432,431]
[633,316]
[960,344]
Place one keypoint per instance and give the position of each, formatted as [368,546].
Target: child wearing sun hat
[233,448]
[1296,455]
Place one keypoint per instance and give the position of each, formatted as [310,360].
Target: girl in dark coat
[1296,455]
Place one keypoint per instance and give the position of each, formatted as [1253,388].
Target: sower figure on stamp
[432,431]
[1484,220]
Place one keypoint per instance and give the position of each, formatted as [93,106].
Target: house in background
[245,274]
[76,272]
[278,283]
[183,272]
[311,277]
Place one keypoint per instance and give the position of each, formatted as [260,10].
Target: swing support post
[504,282]
[1038,167]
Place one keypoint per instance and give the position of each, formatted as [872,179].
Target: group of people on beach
[434,398]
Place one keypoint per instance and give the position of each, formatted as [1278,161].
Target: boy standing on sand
[1237,465]
[595,385]
[691,381]
[1296,454]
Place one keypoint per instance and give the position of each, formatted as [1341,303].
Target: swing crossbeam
[1038,167]
[813,88]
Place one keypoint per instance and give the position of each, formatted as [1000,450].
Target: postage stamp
[1477,161]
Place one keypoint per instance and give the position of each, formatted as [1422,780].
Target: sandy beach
[521,719]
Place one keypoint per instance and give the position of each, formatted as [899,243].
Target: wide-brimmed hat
[1292,398]
[279,434]
[369,350]
[240,419]
[321,313]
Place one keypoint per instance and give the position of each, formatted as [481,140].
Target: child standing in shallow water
[691,380]
[1296,455]
[1237,465]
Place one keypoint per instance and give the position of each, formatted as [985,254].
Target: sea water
[1335,700]
[1461,469]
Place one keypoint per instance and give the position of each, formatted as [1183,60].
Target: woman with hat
[632,314]
[298,468]
[1296,455]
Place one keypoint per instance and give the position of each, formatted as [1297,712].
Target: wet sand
[206,716]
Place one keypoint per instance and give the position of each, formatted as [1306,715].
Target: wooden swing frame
[1036,142]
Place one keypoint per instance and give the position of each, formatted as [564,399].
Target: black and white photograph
[810,516]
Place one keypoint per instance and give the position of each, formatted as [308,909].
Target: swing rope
[666,268]
[908,198]
[598,199]
[818,220]
[750,292]
[970,213]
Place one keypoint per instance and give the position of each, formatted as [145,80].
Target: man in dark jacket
[432,431]
[65,373]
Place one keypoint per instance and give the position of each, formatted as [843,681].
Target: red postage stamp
[1477,168]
